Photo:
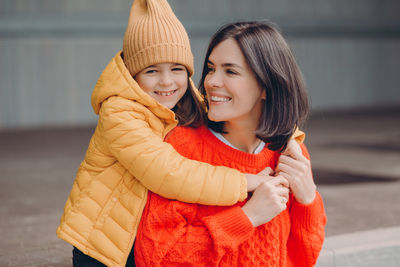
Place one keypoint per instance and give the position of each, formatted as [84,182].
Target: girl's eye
[149,71]
[178,69]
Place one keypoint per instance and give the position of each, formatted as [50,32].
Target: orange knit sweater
[173,233]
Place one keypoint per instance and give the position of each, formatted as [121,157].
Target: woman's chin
[214,118]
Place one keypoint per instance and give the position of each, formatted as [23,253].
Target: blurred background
[52,52]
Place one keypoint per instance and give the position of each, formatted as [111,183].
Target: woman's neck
[242,137]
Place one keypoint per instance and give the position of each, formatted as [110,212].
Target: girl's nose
[166,79]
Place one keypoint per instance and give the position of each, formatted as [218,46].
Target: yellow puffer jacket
[125,156]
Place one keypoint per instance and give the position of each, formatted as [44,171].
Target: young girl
[256,98]
[126,155]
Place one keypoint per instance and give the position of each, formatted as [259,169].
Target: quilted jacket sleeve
[156,164]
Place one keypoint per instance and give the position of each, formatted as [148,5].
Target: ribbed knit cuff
[229,227]
[307,216]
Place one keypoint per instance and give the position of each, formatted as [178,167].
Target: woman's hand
[254,180]
[296,168]
[268,200]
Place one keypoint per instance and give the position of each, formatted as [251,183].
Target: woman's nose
[213,80]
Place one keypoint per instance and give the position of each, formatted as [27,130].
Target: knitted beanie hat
[155,35]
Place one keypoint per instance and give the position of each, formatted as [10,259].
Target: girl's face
[233,92]
[165,82]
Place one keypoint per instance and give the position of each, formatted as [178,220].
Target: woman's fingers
[284,159]
[291,168]
[287,171]
[280,180]
[293,150]
[299,175]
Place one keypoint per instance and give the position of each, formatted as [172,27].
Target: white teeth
[165,93]
[220,99]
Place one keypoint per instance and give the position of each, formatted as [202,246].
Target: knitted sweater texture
[173,233]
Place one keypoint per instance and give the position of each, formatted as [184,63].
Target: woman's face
[233,92]
[165,82]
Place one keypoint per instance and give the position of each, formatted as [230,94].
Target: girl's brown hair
[190,110]
[270,58]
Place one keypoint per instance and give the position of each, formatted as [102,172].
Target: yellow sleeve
[158,166]
[299,136]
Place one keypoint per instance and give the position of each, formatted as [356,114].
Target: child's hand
[254,180]
[296,168]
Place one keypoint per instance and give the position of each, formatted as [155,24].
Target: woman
[256,98]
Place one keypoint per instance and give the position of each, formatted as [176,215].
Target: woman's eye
[210,69]
[229,71]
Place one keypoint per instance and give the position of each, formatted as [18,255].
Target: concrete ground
[355,157]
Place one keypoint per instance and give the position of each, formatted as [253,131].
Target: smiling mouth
[165,93]
[220,99]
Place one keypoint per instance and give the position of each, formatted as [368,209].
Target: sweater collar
[254,161]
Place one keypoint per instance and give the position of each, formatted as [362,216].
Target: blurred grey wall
[52,52]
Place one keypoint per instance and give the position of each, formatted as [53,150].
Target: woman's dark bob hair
[270,58]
